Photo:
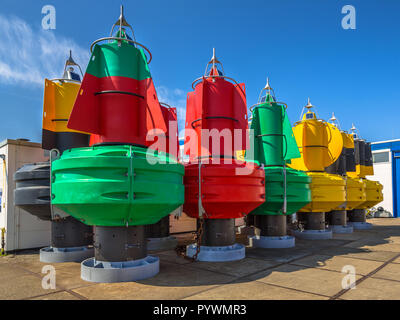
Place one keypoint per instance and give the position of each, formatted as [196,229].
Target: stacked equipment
[71,240]
[355,187]
[158,235]
[364,167]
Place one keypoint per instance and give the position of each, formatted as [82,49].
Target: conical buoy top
[120,24]
[214,71]
[267,86]
[214,58]
[268,95]
[309,105]
[69,73]
[70,61]
[121,20]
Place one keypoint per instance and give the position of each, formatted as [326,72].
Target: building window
[379,157]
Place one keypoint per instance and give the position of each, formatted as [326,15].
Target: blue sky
[299,45]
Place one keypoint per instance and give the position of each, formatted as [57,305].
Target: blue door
[396,183]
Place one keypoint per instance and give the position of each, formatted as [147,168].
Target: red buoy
[117,100]
[224,194]
[218,187]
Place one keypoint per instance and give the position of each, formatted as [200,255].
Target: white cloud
[27,56]
[175,98]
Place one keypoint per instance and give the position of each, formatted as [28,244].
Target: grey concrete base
[341,229]
[314,234]
[272,242]
[108,272]
[360,225]
[217,254]
[248,231]
[75,254]
[165,243]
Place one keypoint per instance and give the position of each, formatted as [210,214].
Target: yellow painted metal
[361,172]
[320,143]
[368,170]
[328,191]
[356,193]
[374,194]
[240,155]
[59,98]
[348,140]
[373,189]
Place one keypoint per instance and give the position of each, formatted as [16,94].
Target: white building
[21,230]
[386,157]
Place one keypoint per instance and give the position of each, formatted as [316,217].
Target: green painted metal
[117,185]
[274,139]
[112,59]
[298,193]
[274,146]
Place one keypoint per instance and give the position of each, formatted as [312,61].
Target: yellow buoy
[355,193]
[364,167]
[59,98]
[58,101]
[320,144]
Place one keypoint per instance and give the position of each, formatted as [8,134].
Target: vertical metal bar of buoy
[131,195]
[284,209]
[200,204]
[51,179]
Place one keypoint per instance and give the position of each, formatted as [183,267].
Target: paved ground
[311,270]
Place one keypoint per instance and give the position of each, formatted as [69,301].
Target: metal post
[218,232]
[270,225]
[117,244]
[70,232]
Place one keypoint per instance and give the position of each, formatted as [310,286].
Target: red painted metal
[117,117]
[216,104]
[172,143]
[225,194]
[229,189]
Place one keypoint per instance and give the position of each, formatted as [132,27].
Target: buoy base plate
[272,242]
[314,234]
[109,272]
[360,225]
[217,254]
[72,254]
